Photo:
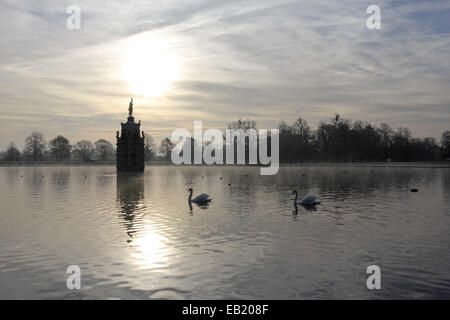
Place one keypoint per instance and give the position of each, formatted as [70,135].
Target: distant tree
[302,130]
[192,145]
[304,149]
[386,140]
[47,155]
[12,153]
[365,143]
[244,125]
[341,139]
[149,147]
[83,150]
[287,142]
[104,149]
[431,149]
[402,144]
[324,140]
[166,148]
[430,141]
[445,144]
[35,145]
[60,148]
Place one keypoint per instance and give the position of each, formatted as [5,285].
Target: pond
[136,237]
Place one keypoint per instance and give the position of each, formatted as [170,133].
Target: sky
[217,61]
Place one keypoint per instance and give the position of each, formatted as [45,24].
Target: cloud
[268,60]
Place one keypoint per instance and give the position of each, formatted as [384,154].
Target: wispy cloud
[268,60]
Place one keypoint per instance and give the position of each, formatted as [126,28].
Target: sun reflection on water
[152,249]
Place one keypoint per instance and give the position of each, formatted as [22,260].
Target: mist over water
[135,236]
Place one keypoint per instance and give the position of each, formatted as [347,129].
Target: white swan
[309,200]
[202,198]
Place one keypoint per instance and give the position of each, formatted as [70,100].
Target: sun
[151,65]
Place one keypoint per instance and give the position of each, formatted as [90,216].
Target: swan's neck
[190,196]
[296,196]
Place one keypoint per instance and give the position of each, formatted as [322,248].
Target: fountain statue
[130,108]
[130,145]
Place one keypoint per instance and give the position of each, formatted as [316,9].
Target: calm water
[136,237]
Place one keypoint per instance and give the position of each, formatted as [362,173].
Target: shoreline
[435,164]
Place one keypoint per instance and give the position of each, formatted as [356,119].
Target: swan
[309,200]
[202,198]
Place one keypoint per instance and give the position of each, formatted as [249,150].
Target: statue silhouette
[130,145]
[130,108]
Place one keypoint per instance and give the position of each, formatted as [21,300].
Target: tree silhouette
[166,148]
[149,147]
[445,142]
[12,153]
[35,145]
[103,149]
[60,148]
[83,150]
[345,140]
[337,139]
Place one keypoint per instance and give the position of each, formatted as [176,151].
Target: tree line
[343,140]
[340,140]
[337,140]
[60,149]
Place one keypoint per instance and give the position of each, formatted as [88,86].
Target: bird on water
[309,200]
[201,198]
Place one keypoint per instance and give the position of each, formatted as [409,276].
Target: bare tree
[302,130]
[149,147]
[166,148]
[60,148]
[445,144]
[12,153]
[104,149]
[242,124]
[83,150]
[35,145]
[238,125]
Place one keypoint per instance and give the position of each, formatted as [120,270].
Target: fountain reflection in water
[135,237]
[151,246]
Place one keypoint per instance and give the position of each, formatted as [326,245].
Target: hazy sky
[220,60]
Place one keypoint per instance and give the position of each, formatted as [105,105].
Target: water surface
[135,236]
